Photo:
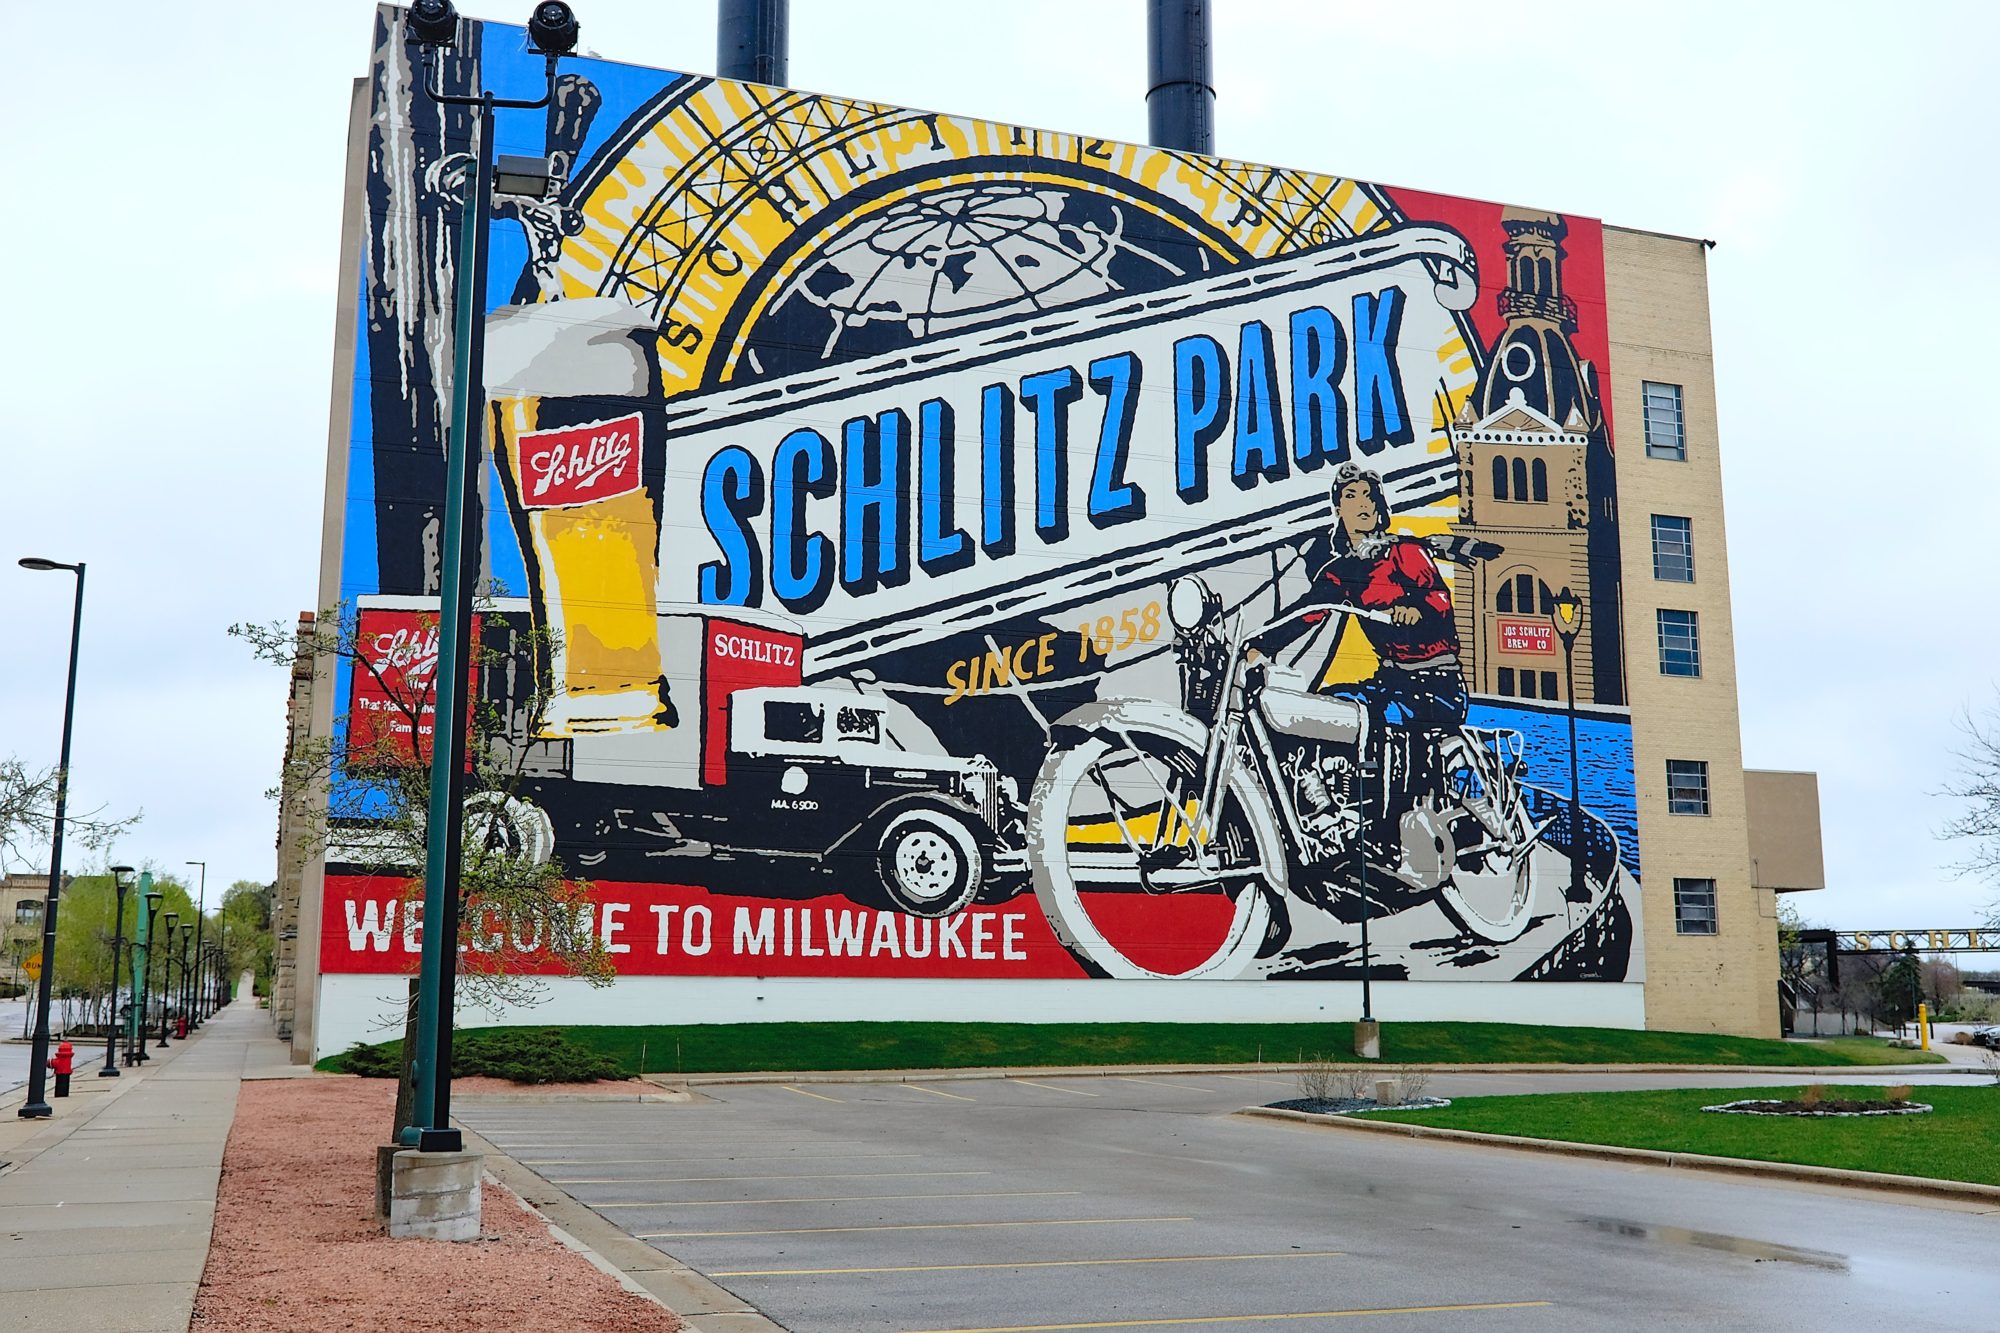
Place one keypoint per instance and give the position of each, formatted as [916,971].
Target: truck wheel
[930,862]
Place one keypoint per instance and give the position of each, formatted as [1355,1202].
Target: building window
[1539,470]
[1507,681]
[1680,643]
[1499,477]
[1666,433]
[26,911]
[1687,786]
[1673,548]
[1520,479]
[1694,906]
[1528,685]
[1549,687]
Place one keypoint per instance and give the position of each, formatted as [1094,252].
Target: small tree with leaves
[28,814]
[362,797]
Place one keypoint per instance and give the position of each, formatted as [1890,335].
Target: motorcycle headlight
[1191,604]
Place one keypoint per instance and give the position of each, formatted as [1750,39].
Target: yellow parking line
[918,1087]
[1074,1092]
[825,1175]
[814,1156]
[814,1095]
[1157,1083]
[914,1226]
[1033,1263]
[1256,1078]
[838,1198]
[1250,1318]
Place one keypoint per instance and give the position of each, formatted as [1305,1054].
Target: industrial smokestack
[752,38]
[1180,88]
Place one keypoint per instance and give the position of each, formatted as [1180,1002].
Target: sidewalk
[106,1209]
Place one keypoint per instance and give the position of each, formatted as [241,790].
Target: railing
[1515,303]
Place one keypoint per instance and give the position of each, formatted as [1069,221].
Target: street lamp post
[1367,1037]
[187,977]
[166,972]
[200,913]
[153,899]
[121,880]
[552,31]
[1569,623]
[37,1106]
[20,951]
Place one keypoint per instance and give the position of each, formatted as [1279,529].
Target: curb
[1792,1171]
[639,1268]
[1114,1071]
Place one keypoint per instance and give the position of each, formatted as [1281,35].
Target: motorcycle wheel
[1490,894]
[1094,804]
[496,823]
[929,863]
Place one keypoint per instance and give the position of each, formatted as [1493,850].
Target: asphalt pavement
[1034,1204]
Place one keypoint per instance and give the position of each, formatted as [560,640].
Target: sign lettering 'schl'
[571,465]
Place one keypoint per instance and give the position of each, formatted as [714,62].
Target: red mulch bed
[297,1249]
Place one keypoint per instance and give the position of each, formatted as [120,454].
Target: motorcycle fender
[1112,716]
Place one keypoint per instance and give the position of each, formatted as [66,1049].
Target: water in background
[1604,755]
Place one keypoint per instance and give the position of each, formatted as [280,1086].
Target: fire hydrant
[181,1028]
[62,1064]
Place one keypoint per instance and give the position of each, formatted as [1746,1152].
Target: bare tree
[27,818]
[1976,785]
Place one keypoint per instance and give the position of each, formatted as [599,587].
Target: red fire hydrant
[181,1028]
[62,1064]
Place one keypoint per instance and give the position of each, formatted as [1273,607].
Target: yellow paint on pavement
[814,1095]
[1074,1092]
[916,1226]
[1035,1263]
[1161,1084]
[918,1087]
[1251,1318]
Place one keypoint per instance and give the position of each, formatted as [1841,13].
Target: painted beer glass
[579,431]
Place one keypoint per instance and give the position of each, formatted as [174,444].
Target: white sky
[174,203]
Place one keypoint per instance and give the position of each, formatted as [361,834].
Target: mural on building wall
[972,550]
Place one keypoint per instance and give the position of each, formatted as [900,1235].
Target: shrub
[1414,1079]
[1359,1083]
[380,1061]
[1317,1079]
[1813,1095]
[520,1055]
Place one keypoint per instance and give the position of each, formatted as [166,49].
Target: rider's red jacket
[1396,572]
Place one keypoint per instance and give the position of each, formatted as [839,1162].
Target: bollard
[1388,1092]
[1923,1026]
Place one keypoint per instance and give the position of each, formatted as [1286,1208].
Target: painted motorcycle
[1178,842]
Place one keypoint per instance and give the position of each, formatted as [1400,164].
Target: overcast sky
[171,242]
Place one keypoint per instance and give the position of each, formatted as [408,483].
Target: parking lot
[1031,1204]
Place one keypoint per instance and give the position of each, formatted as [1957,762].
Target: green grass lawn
[741,1047]
[1956,1141]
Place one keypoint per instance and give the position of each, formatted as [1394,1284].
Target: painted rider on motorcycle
[1359,562]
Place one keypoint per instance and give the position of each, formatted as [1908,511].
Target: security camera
[552,28]
[435,22]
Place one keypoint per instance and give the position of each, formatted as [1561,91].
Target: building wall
[1657,294]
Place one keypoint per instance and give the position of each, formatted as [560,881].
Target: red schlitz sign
[1525,636]
[395,675]
[573,465]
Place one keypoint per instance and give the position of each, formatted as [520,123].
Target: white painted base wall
[367,1008]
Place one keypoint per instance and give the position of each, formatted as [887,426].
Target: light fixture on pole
[552,34]
[141,1009]
[166,973]
[1569,624]
[121,880]
[37,1107]
[200,915]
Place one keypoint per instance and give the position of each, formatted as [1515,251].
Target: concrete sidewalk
[106,1208]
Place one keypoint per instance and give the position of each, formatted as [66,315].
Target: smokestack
[1180,87]
[751,37]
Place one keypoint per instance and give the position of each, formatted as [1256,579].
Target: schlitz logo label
[573,465]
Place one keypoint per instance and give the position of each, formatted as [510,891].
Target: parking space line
[1251,1318]
[827,1175]
[914,1226]
[1074,1092]
[814,1095]
[1159,1084]
[918,1087]
[837,1198]
[1258,1078]
[1034,1263]
[710,1157]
